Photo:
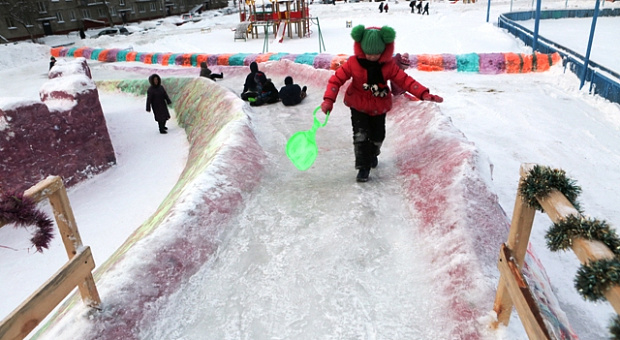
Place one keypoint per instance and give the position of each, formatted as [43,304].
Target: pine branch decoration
[593,281]
[614,328]
[22,211]
[560,235]
[541,180]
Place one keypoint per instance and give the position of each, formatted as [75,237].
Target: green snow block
[306,58]
[237,59]
[122,55]
[95,54]
[172,59]
[468,62]
[71,51]
[194,59]
[277,56]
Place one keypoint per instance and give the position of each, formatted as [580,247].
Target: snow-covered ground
[511,118]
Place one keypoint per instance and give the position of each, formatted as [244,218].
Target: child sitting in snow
[291,94]
[267,92]
[368,95]
[206,72]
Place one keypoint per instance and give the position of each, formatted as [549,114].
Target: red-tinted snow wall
[64,134]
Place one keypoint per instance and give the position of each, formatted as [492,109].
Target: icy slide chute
[485,63]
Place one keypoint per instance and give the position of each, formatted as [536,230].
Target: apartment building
[23,19]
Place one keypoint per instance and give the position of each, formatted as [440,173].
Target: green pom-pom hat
[373,40]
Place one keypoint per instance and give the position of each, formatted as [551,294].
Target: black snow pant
[162,125]
[368,135]
[214,76]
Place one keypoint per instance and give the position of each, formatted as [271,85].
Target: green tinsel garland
[593,280]
[560,235]
[541,180]
[614,328]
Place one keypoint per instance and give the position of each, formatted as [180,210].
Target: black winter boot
[362,175]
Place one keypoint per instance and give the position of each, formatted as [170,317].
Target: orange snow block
[222,59]
[542,62]
[513,62]
[528,61]
[187,60]
[102,55]
[337,61]
[165,59]
[261,58]
[55,51]
[430,62]
[148,59]
[202,58]
[79,52]
[131,56]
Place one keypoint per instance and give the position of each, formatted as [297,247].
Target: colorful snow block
[187,60]
[237,59]
[430,62]
[165,59]
[148,58]
[305,58]
[102,55]
[290,57]
[80,52]
[131,56]
[222,59]
[528,63]
[449,62]
[277,56]
[94,55]
[467,62]
[514,62]
[261,58]
[492,63]
[322,61]
[122,55]
[555,58]
[212,60]
[337,61]
[178,59]
[55,52]
[193,59]
[413,61]
[202,58]
[250,58]
[141,56]
[542,62]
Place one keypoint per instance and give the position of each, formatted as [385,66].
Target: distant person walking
[158,100]
[386,7]
[412,5]
[381,8]
[419,7]
[425,9]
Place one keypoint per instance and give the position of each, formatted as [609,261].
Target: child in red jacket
[368,95]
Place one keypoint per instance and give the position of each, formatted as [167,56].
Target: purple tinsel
[20,210]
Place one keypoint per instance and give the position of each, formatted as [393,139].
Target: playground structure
[284,16]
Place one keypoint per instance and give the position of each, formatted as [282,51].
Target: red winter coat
[362,100]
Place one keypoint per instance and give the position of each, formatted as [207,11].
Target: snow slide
[246,246]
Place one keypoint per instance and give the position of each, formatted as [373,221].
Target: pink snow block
[111,55]
[142,57]
[449,62]
[212,60]
[492,63]
[87,52]
[413,61]
[322,61]
[249,59]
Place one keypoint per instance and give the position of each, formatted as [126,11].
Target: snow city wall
[603,81]
[224,165]
[64,134]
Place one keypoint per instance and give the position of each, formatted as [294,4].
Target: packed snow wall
[485,63]
[224,165]
[64,134]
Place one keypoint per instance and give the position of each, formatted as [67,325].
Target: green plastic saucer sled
[301,148]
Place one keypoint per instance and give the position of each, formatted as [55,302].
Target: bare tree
[23,12]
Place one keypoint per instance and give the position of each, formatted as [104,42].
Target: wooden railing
[76,272]
[513,290]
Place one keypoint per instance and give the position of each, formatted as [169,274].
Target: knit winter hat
[288,80]
[373,39]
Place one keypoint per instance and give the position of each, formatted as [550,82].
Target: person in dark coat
[251,88]
[158,100]
[268,93]
[368,96]
[206,72]
[52,62]
[291,94]
[419,7]
[386,7]
[425,9]
[381,8]
[412,5]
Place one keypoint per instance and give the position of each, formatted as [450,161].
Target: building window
[42,7]
[59,17]
[85,13]
[72,15]
[161,6]
[153,8]
[9,23]
[100,12]
[113,11]
[121,2]
[141,8]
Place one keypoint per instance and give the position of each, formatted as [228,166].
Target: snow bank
[224,164]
